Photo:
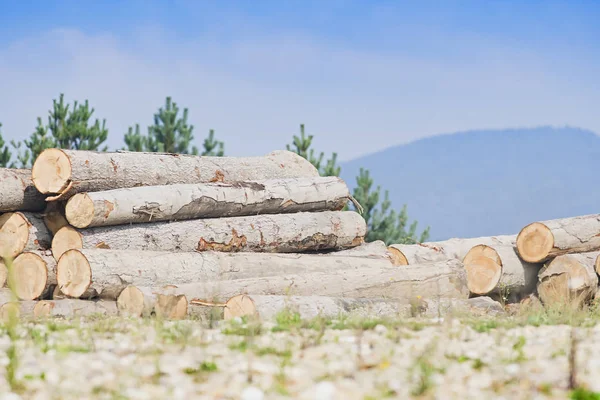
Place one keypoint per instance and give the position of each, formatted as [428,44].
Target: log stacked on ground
[22,231]
[17,192]
[33,275]
[143,302]
[67,172]
[283,233]
[206,200]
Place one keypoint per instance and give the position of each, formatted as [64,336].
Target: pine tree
[171,133]
[302,145]
[5,154]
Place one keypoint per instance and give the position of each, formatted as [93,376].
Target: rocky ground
[537,356]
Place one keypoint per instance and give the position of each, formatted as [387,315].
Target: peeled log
[541,241]
[143,302]
[34,275]
[277,233]
[105,273]
[22,231]
[446,279]
[452,248]
[17,192]
[499,269]
[570,279]
[206,200]
[74,308]
[67,172]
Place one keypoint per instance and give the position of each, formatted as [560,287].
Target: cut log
[499,269]
[277,233]
[452,248]
[541,241]
[446,279]
[74,308]
[569,279]
[143,302]
[105,273]
[67,172]
[54,216]
[17,192]
[22,232]
[206,200]
[34,275]
[3,273]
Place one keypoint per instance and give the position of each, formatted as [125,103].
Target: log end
[535,242]
[9,308]
[80,210]
[51,171]
[484,269]
[239,306]
[66,238]
[565,281]
[131,302]
[43,308]
[398,258]
[14,234]
[54,218]
[170,306]
[73,273]
[30,276]
[3,273]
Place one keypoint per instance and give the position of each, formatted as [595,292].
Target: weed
[12,327]
[584,394]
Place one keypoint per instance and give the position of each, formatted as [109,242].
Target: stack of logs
[128,233]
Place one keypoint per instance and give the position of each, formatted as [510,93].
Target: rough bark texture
[23,231]
[570,279]
[206,200]
[144,302]
[541,241]
[498,269]
[105,273]
[445,279]
[282,233]
[34,275]
[452,248]
[68,172]
[17,192]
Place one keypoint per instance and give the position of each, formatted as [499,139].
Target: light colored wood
[22,231]
[144,302]
[55,170]
[452,248]
[17,192]
[3,273]
[277,233]
[54,217]
[105,273]
[446,279]
[206,200]
[569,279]
[499,269]
[541,241]
[34,275]
[67,308]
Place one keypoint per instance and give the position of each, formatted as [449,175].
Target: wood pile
[141,234]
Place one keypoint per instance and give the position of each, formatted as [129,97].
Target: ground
[539,355]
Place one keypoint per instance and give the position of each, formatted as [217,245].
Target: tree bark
[452,248]
[22,231]
[67,172]
[34,275]
[446,279]
[144,302]
[206,200]
[570,279]
[17,192]
[541,241]
[278,233]
[498,269]
[105,273]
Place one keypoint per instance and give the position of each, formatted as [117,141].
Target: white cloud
[256,91]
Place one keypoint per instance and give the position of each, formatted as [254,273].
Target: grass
[12,331]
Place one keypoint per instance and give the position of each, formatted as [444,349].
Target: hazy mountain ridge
[489,182]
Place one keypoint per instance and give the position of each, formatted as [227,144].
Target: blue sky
[361,75]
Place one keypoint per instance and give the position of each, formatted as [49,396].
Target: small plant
[584,394]
[11,327]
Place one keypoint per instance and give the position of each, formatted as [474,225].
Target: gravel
[120,358]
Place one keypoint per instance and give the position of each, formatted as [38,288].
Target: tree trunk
[278,233]
[105,273]
[144,302]
[17,192]
[34,275]
[67,172]
[541,241]
[22,232]
[67,308]
[376,249]
[206,200]
[498,269]
[446,279]
[452,248]
[570,279]
[54,216]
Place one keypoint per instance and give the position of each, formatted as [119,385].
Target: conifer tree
[213,147]
[5,154]
[301,147]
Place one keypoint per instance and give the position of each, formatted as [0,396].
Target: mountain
[483,183]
